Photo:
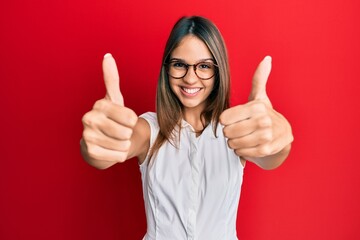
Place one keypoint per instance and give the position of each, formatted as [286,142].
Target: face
[191,90]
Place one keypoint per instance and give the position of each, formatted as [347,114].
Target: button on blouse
[192,190]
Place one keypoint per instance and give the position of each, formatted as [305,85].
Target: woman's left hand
[255,130]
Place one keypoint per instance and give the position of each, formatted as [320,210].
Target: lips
[190,91]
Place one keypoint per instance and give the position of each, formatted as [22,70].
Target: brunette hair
[168,107]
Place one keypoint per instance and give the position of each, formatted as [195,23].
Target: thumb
[112,80]
[261,75]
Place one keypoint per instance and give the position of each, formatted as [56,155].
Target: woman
[193,150]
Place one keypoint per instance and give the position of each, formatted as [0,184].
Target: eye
[178,65]
[205,66]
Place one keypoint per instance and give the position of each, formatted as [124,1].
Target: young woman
[193,150]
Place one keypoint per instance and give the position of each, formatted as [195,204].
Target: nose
[190,76]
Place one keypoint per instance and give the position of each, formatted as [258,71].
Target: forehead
[191,49]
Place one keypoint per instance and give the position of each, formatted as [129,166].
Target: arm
[101,150]
[92,161]
[272,161]
[272,152]
[255,130]
[112,132]
[140,140]
[262,135]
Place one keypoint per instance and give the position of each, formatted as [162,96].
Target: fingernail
[107,55]
[268,58]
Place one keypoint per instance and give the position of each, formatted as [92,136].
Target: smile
[190,90]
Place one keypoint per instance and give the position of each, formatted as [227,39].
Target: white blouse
[191,191]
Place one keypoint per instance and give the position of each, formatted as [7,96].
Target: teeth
[191,90]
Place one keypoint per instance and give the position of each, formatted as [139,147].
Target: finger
[265,149]
[235,114]
[107,126]
[255,152]
[252,140]
[239,129]
[102,154]
[246,127]
[115,130]
[112,80]
[243,112]
[260,78]
[121,115]
[100,139]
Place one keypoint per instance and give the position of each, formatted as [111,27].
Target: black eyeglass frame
[167,66]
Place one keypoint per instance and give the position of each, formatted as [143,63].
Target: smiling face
[191,90]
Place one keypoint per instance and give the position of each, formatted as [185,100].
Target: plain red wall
[50,72]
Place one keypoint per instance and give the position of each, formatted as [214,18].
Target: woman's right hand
[108,127]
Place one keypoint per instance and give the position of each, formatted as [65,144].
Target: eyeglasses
[203,70]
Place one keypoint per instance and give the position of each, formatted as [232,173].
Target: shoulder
[141,137]
[150,117]
[152,122]
[145,133]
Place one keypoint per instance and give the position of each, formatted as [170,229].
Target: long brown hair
[168,106]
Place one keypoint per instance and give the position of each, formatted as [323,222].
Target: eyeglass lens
[204,70]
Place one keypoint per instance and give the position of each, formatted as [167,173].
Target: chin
[193,104]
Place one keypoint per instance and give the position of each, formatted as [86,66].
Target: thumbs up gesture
[255,130]
[108,127]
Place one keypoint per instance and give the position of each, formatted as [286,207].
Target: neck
[193,117]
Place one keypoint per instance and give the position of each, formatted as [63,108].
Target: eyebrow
[200,60]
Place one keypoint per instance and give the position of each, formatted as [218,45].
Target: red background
[50,72]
